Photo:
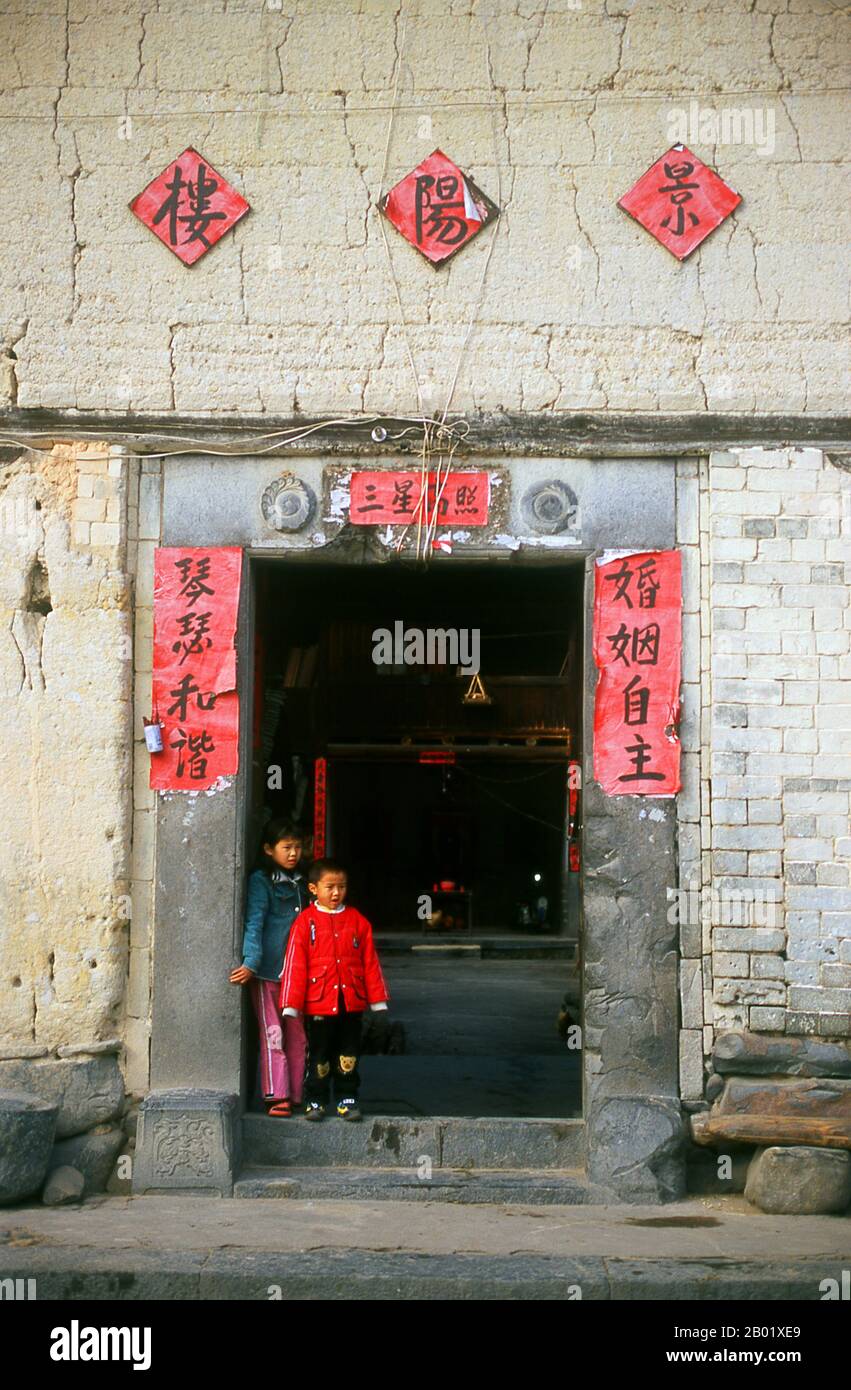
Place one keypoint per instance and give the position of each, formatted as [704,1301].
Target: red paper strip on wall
[385,498]
[637,648]
[196,603]
[319,806]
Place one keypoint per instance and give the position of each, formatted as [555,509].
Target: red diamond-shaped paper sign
[189,206]
[680,200]
[437,208]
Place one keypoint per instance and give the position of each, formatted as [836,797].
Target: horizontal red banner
[385,498]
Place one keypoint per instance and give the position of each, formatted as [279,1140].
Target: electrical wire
[607,98]
[514,781]
[560,829]
[282,439]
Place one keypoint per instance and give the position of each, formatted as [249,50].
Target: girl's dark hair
[278,828]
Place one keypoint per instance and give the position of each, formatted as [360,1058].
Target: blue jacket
[270,910]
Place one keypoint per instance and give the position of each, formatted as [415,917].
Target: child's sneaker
[348,1109]
[314,1111]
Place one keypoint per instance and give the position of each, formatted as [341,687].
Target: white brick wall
[693,802]
[780,756]
[765,809]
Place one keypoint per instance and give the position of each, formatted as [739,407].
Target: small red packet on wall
[437,208]
[679,201]
[189,206]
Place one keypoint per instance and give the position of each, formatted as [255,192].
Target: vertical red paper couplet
[319,806]
[196,604]
[638,648]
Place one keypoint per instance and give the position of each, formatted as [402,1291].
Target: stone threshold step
[531,1187]
[399,1142]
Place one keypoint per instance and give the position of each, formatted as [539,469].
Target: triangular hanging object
[475,693]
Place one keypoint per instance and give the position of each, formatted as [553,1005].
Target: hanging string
[492,240]
[435,433]
[393,277]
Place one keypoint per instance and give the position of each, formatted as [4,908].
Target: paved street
[191,1247]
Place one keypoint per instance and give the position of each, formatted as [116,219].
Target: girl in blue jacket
[276,895]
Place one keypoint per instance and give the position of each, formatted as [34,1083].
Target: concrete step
[382,1141]
[530,1187]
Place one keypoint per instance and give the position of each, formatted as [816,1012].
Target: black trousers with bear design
[333,1050]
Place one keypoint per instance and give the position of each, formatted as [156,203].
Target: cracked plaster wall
[295,310]
[65,712]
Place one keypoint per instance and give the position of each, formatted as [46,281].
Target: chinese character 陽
[441,225]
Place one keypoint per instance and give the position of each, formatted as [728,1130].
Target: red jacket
[327,952]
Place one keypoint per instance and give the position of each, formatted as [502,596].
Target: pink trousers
[282,1044]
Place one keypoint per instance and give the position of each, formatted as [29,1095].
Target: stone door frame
[632,1113]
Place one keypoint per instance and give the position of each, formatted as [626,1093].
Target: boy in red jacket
[331,973]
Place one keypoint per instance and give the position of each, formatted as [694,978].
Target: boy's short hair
[320,867]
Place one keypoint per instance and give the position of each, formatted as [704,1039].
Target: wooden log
[796,1098]
[713,1131]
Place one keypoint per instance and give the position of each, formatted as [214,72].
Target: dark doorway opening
[447,797]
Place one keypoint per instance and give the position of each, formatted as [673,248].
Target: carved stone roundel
[550,508]
[288,503]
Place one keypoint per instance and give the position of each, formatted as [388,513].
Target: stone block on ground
[799,1181]
[27,1127]
[64,1184]
[188,1140]
[638,1154]
[87,1091]
[91,1154]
